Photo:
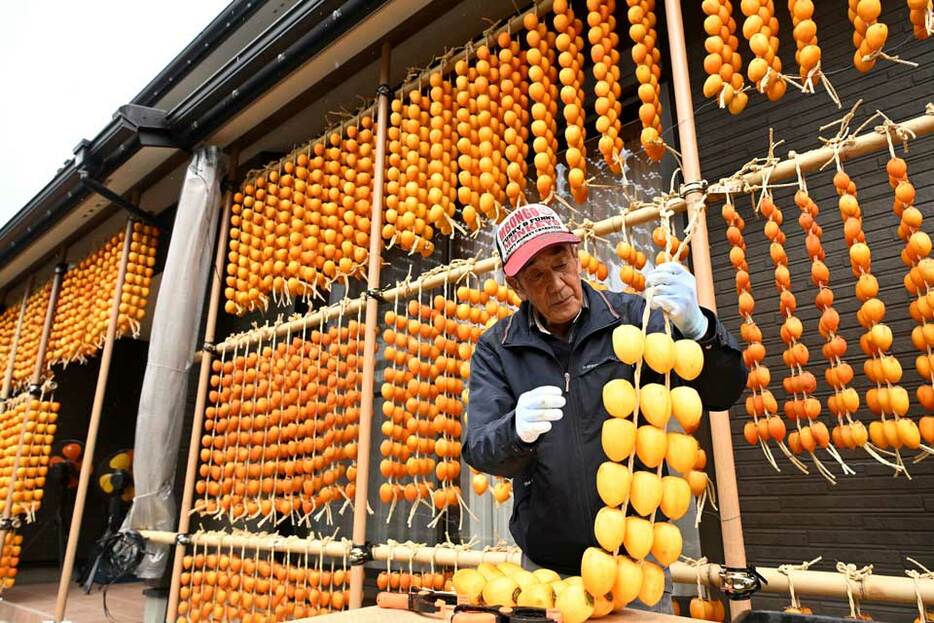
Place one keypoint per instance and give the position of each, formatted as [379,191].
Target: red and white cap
[525,232]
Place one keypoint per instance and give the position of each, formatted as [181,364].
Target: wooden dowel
[879,588]
[87,461]
[813,160]
[731,527]
[370,335]
[601,228]
[14,344]
[204,376]
[57,278]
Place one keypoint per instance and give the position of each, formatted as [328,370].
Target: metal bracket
[35,390]
[61,268]
[384,89]
[10,523]
[375,293]
[96,187]
[209,347]
[739,583]
[182,539]
[697,186]
[361,554]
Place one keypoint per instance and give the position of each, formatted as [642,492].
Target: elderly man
[536,412]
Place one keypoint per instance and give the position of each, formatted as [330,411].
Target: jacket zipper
[584,504]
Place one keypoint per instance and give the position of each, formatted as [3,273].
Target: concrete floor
[35,602]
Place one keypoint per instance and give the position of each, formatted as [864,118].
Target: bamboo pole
[8,375]
[637,216]
[812,160]
[36,379]
[97,409]
[371,330]
[204,376]
[60,271]
[731,527]
[878,588]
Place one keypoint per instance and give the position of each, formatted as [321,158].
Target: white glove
[674,290]
[536,410]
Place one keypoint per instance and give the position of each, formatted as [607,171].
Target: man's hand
[536,410]
[674,289]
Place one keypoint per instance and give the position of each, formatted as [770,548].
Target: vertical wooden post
[60,269]
[34,389]
[97,408]
[8,375]
[734,550]
[370,331]
[204,376]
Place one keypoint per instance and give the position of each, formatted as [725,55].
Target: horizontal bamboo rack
[876,588]
[436,280]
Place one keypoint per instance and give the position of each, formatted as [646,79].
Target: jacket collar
[519,331]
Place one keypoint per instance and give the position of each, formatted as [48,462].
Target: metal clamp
[384,89]
[61,268]
[34,390]
[183,539]
[360,554]
[209,347]
[10,523]
[375,293]
[697,186]
[739,583]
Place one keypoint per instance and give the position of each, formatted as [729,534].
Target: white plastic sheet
[175,330]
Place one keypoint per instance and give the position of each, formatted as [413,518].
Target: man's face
[551,282]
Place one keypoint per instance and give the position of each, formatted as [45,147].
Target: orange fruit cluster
[633,263]
[543,97]
[27,348]
[514,110]
[304,222]
[723,62]
[280,431]
[604,52]
[86,297]
[570,46]
[231,586]
[761,406]
[592,265]
[38,419]
[921,15]
[869,34]
[761,31]
[481,167]
[888,398]
[409,222]
[442,171]
[707,609]
[9,559]
[670,248]
[800,384]
[808,53]
[403,582]
[642,20]
[7,330]
[848,433]
[918,282]
[428,350]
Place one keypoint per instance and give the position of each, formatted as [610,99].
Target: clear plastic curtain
[175,330]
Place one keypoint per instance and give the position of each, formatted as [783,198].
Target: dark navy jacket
[554,479]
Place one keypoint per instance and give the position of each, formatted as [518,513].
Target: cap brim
[527,251]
